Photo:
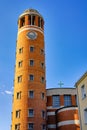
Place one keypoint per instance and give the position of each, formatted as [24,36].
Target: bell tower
[29,99]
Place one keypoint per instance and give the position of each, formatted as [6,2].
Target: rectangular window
[30,113]
[42,96]
[19,79]
[22,22]
[56,101]
[38,21]
[30,126]
[31,94]
[83,91]
[20,50]
[18,95]
[18,114]
[85,115]
[31,49]
[31,62]
[20,64]
[17,127]
[33,20]
[42,52]
[42,79]
[29,19]
[31,77]
[43,127]
[67,100]
[42,65]
[43,114]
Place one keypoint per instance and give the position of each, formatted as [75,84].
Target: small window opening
[22,22]
[33,20]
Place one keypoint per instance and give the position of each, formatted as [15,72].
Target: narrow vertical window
[42,79]
[30,113]
[43,127]
[41,23]
[31,49]
[56,100]
[18,114]
[83,91]
[42,96]
[18,95]
[33,20]
[42,52]
[85,116]
[38,21]
[30,19]
[22,22]
[42,65]
[20,64]
[17,127]
[20,50]
[43,114]
[31,62]
[19,78]
[30,126]
[31,77]
[31,94]
[67,100]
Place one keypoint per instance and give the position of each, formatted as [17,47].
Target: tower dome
[31,17]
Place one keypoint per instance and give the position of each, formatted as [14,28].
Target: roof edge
[81,78]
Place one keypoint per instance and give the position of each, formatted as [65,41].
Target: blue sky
[65,45]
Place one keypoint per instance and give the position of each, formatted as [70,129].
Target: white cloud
[8,92]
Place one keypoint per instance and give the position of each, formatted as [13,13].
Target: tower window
[20,50]
[42,52]
[30,19]
[31,77]
[18,114]
[42,65]
[56,100]
[20,64]
[42,96]
[43,127]
[30,113]
[22,22]
[67,100]
[42,79]
[17,127]
[31,49]
[33,20]
[30,126]
[38,21]
[43,114]
[31,62]
[41,23]
[19,79]
[31,94]
[18,95]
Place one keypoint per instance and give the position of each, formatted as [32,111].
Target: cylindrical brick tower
[29,100]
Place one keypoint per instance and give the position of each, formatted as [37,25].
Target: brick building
[34,107]
[62,110]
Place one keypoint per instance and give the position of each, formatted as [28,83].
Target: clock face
[32,35]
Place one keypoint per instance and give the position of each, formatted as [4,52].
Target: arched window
[22,22]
